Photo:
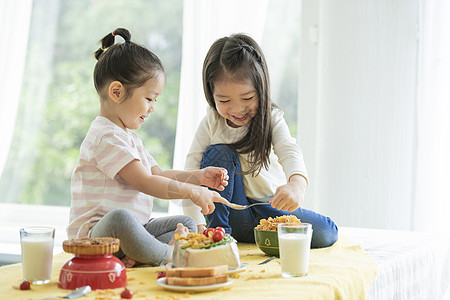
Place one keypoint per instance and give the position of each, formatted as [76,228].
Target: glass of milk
[294,241]
[37,253]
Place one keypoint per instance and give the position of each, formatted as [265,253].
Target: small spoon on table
[267,260]
[79,292]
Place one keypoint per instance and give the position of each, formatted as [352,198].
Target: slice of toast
[196,281]
[194,272]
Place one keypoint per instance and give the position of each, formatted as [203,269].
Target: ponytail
[108,40]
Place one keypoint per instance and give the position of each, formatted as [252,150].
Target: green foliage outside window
[58,100]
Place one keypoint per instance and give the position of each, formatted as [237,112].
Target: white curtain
[14,27]
[432,193]
[205,21]
[374,111]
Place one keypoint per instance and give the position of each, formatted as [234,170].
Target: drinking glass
[294,240]
[37,253]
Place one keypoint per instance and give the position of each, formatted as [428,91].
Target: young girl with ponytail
[116,177]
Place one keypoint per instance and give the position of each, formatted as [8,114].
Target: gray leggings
[148,243]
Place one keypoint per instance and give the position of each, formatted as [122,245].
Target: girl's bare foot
[181,231]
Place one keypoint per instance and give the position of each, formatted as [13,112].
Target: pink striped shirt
[96,186]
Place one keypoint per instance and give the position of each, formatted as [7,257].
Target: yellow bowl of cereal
[266,235]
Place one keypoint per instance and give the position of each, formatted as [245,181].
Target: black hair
[129,63]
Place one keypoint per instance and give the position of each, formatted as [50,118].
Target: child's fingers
[223,181]
[284,206]
[223,174]
[208,209]
[211,208]
[275,202]
[281,202]
[224,178]
[222,185]
[221,200]
[272,201]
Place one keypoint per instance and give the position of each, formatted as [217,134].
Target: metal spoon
[242,207]
[79,292]
[267,260]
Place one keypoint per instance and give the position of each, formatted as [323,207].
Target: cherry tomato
[218,236]
[219,229]
[207,230]
[126,294]
[25,285]
[161,274]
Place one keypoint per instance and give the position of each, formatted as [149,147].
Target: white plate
[241,267]
[198,288]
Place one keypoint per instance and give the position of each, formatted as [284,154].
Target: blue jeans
[240,223]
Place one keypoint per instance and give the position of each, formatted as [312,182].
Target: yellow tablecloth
[342,271]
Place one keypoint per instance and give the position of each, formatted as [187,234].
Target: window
[58,101]
[46,70]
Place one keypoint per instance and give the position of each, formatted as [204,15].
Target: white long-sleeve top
[286,157]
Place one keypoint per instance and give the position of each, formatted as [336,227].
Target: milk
[294,253]
[37,256]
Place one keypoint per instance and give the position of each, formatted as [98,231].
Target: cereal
[271,223]
[195,240]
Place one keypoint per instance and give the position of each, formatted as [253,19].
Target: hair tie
[102,48]
[127,41]
[113,33]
